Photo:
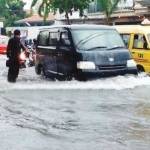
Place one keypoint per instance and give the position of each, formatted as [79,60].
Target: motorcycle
[27,58]
[31,56]
[22,60]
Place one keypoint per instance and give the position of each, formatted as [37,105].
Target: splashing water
[29,80]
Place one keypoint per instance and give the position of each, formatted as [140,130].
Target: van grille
[112,67]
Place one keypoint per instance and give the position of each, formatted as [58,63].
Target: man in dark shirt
[13,52]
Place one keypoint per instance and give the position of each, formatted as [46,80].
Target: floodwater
[104,114]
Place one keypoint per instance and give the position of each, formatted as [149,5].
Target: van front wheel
[80,76]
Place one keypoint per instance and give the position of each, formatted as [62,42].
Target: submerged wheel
[38,69]
[43,73]
[80,77]
[64,78]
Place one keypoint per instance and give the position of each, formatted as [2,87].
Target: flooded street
[108,113]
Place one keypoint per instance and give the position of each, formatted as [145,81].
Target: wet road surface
[110,113]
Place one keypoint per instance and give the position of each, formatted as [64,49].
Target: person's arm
[8,53]
[23,47]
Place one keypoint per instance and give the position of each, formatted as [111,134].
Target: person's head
[136,37]
[17,33]
[144,39]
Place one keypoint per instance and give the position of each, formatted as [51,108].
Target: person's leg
[17,70]
[12,72]
[10,76]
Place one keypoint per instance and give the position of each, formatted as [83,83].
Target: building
[144,2]
[36,20]
[127,12]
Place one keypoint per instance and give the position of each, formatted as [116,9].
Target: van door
[65,59]
[47,51]
[140,51]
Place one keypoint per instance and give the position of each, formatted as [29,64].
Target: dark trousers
[13,70]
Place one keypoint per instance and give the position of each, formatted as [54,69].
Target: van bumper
[104,73]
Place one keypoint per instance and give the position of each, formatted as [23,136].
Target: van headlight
[131,63]
[86,65]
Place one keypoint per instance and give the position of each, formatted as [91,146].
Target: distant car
[3,44]
[82,51]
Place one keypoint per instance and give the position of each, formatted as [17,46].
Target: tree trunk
[107,20]
[67,17]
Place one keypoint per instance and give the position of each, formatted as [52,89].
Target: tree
[11,11]
[64,6]
[2,8]
[108,6]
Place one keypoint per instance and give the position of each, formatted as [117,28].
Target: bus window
[140,42]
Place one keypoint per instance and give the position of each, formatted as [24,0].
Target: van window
[140,42]
[64,39]
[53,38]
[126,38]
[43,38]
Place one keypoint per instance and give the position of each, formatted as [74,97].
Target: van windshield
[91,39]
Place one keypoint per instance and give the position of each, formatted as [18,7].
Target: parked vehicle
[137,39]
[82,51]
[3,44]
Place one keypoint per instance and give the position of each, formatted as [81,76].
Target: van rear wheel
[38,69]
[43,72]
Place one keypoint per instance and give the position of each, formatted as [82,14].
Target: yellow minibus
[137,40]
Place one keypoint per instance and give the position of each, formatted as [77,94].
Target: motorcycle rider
[13,52]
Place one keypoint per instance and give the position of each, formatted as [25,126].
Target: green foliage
[64,6]
[108,6]
[33,3]
[2,7]
[11,10]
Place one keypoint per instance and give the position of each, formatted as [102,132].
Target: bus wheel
[140,69]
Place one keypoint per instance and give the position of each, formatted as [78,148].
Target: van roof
[79,26]
[133,28]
